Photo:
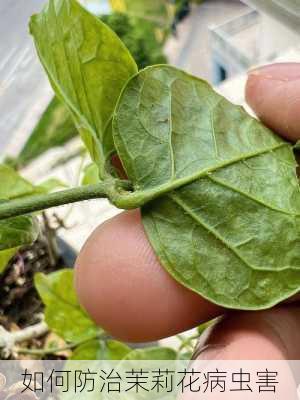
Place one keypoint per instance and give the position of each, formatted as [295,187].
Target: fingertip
[273,92]
[126,291]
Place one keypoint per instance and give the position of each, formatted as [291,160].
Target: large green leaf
[63,313]
[87,65]
[55,128]
[226,220]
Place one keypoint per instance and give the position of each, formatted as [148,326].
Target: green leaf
[151,353]
[15,232]
[101,350]
[12,184]
[90,175]
[54,129]
[226,219]
[18,231]
[6,256]
[50,185]
[63,313]
[87,65]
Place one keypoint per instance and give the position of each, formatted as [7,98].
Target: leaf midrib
[141,197]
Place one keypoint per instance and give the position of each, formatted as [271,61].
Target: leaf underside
[229,226]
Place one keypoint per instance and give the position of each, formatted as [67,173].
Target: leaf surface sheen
[228,228]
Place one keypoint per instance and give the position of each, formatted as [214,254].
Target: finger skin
[126,291]
[273,92]
[264,335]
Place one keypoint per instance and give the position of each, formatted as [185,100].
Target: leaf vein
[221,239]
[245,194]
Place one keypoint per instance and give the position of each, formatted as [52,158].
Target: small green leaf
[15,232]
[63,313]
[50,185]
[54,129]
[225,222]
[101,350]
[151,353]
[18,231]
[87,65]
[6,256]
[12,184]
[90,175]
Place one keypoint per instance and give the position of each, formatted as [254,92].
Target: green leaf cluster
[219,193]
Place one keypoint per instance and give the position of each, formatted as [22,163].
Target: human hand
[122,285]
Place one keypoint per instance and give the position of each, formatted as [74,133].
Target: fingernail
[284,72]
[208,352]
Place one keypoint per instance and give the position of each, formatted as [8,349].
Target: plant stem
[9,339]
[53,350]
[26,205]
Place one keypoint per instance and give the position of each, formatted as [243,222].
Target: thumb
[273,92]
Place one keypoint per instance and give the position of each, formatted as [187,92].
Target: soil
[20,304]
[19,301]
